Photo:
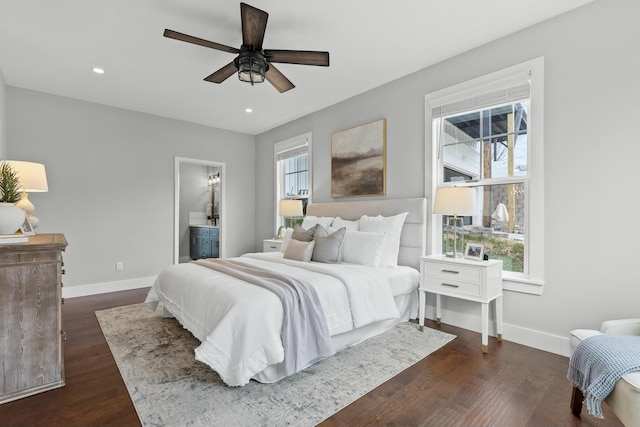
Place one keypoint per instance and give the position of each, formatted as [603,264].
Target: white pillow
[310,220]
[391,226]
[340,223]
[299,251]
[360,247]
[285,240]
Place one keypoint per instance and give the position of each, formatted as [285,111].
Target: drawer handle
[273,247]
[450,285]
[450,271]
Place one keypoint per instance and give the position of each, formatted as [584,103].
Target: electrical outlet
[119,266]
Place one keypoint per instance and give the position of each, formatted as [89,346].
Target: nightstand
[271,245]
[479,281]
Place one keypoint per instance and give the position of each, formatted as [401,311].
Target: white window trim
[533,70]
[286,145]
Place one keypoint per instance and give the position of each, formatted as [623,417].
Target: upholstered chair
[624,400]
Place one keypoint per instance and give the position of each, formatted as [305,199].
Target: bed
[245,332]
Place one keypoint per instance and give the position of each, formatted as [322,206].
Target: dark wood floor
[457,385]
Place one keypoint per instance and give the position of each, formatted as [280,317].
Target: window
[293,172]
[486,134]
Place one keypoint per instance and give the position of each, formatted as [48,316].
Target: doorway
[199,199]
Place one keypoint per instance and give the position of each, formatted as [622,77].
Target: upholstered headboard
[413,241]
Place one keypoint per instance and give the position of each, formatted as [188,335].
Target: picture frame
[474,251]
[358,160]
[26,228]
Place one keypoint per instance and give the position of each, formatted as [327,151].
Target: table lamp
[33,179]
[456,201]
[290,208]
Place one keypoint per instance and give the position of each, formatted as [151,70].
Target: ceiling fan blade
[303,57]
[201,42]
[223,73]
[278,80]
[254,24]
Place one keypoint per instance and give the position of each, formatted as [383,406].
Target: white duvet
[239,324]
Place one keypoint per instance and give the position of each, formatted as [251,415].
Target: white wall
[591,158]
[110,174]
[3,118]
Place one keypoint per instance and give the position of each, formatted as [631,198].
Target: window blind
[507,95]
[292,152]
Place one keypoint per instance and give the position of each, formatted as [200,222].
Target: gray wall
[3,118]
[111,173]
[591,158]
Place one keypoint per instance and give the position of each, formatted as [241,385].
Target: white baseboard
[103,288]
[537,339]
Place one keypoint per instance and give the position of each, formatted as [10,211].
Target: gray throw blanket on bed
[305,334]
[599,362]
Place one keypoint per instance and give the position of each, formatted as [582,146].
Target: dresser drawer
[453,272]
[444,287]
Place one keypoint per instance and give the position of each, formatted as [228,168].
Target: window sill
[522,285]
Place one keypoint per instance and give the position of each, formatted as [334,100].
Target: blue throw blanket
[599,362]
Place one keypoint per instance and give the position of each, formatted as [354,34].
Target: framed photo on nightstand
[474,251]
[26,228]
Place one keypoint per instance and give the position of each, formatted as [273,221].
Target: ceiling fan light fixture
[251,67]
[253,63]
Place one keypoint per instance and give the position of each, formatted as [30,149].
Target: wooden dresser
[31,316]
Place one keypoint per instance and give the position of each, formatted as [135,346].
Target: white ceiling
[52,46]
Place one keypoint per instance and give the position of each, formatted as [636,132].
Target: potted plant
[11,216]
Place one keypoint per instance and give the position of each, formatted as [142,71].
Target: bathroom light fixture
[214,180]
[98,70]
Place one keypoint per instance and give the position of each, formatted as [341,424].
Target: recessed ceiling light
[248,110]
[98,70]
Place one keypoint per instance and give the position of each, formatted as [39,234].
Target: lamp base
[454,237]
[25,204]
[452,255]
[34,221]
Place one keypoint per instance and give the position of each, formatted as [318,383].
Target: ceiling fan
[253,64]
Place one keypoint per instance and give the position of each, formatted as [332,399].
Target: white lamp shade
[455,201]
[290,207]
[33,177]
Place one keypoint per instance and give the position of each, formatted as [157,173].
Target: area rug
[169,387]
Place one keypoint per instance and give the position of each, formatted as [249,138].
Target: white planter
[11,218]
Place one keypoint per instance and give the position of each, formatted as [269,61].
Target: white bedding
[239,324]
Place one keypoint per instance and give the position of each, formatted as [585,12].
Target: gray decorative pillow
[303,235]
[327,248]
